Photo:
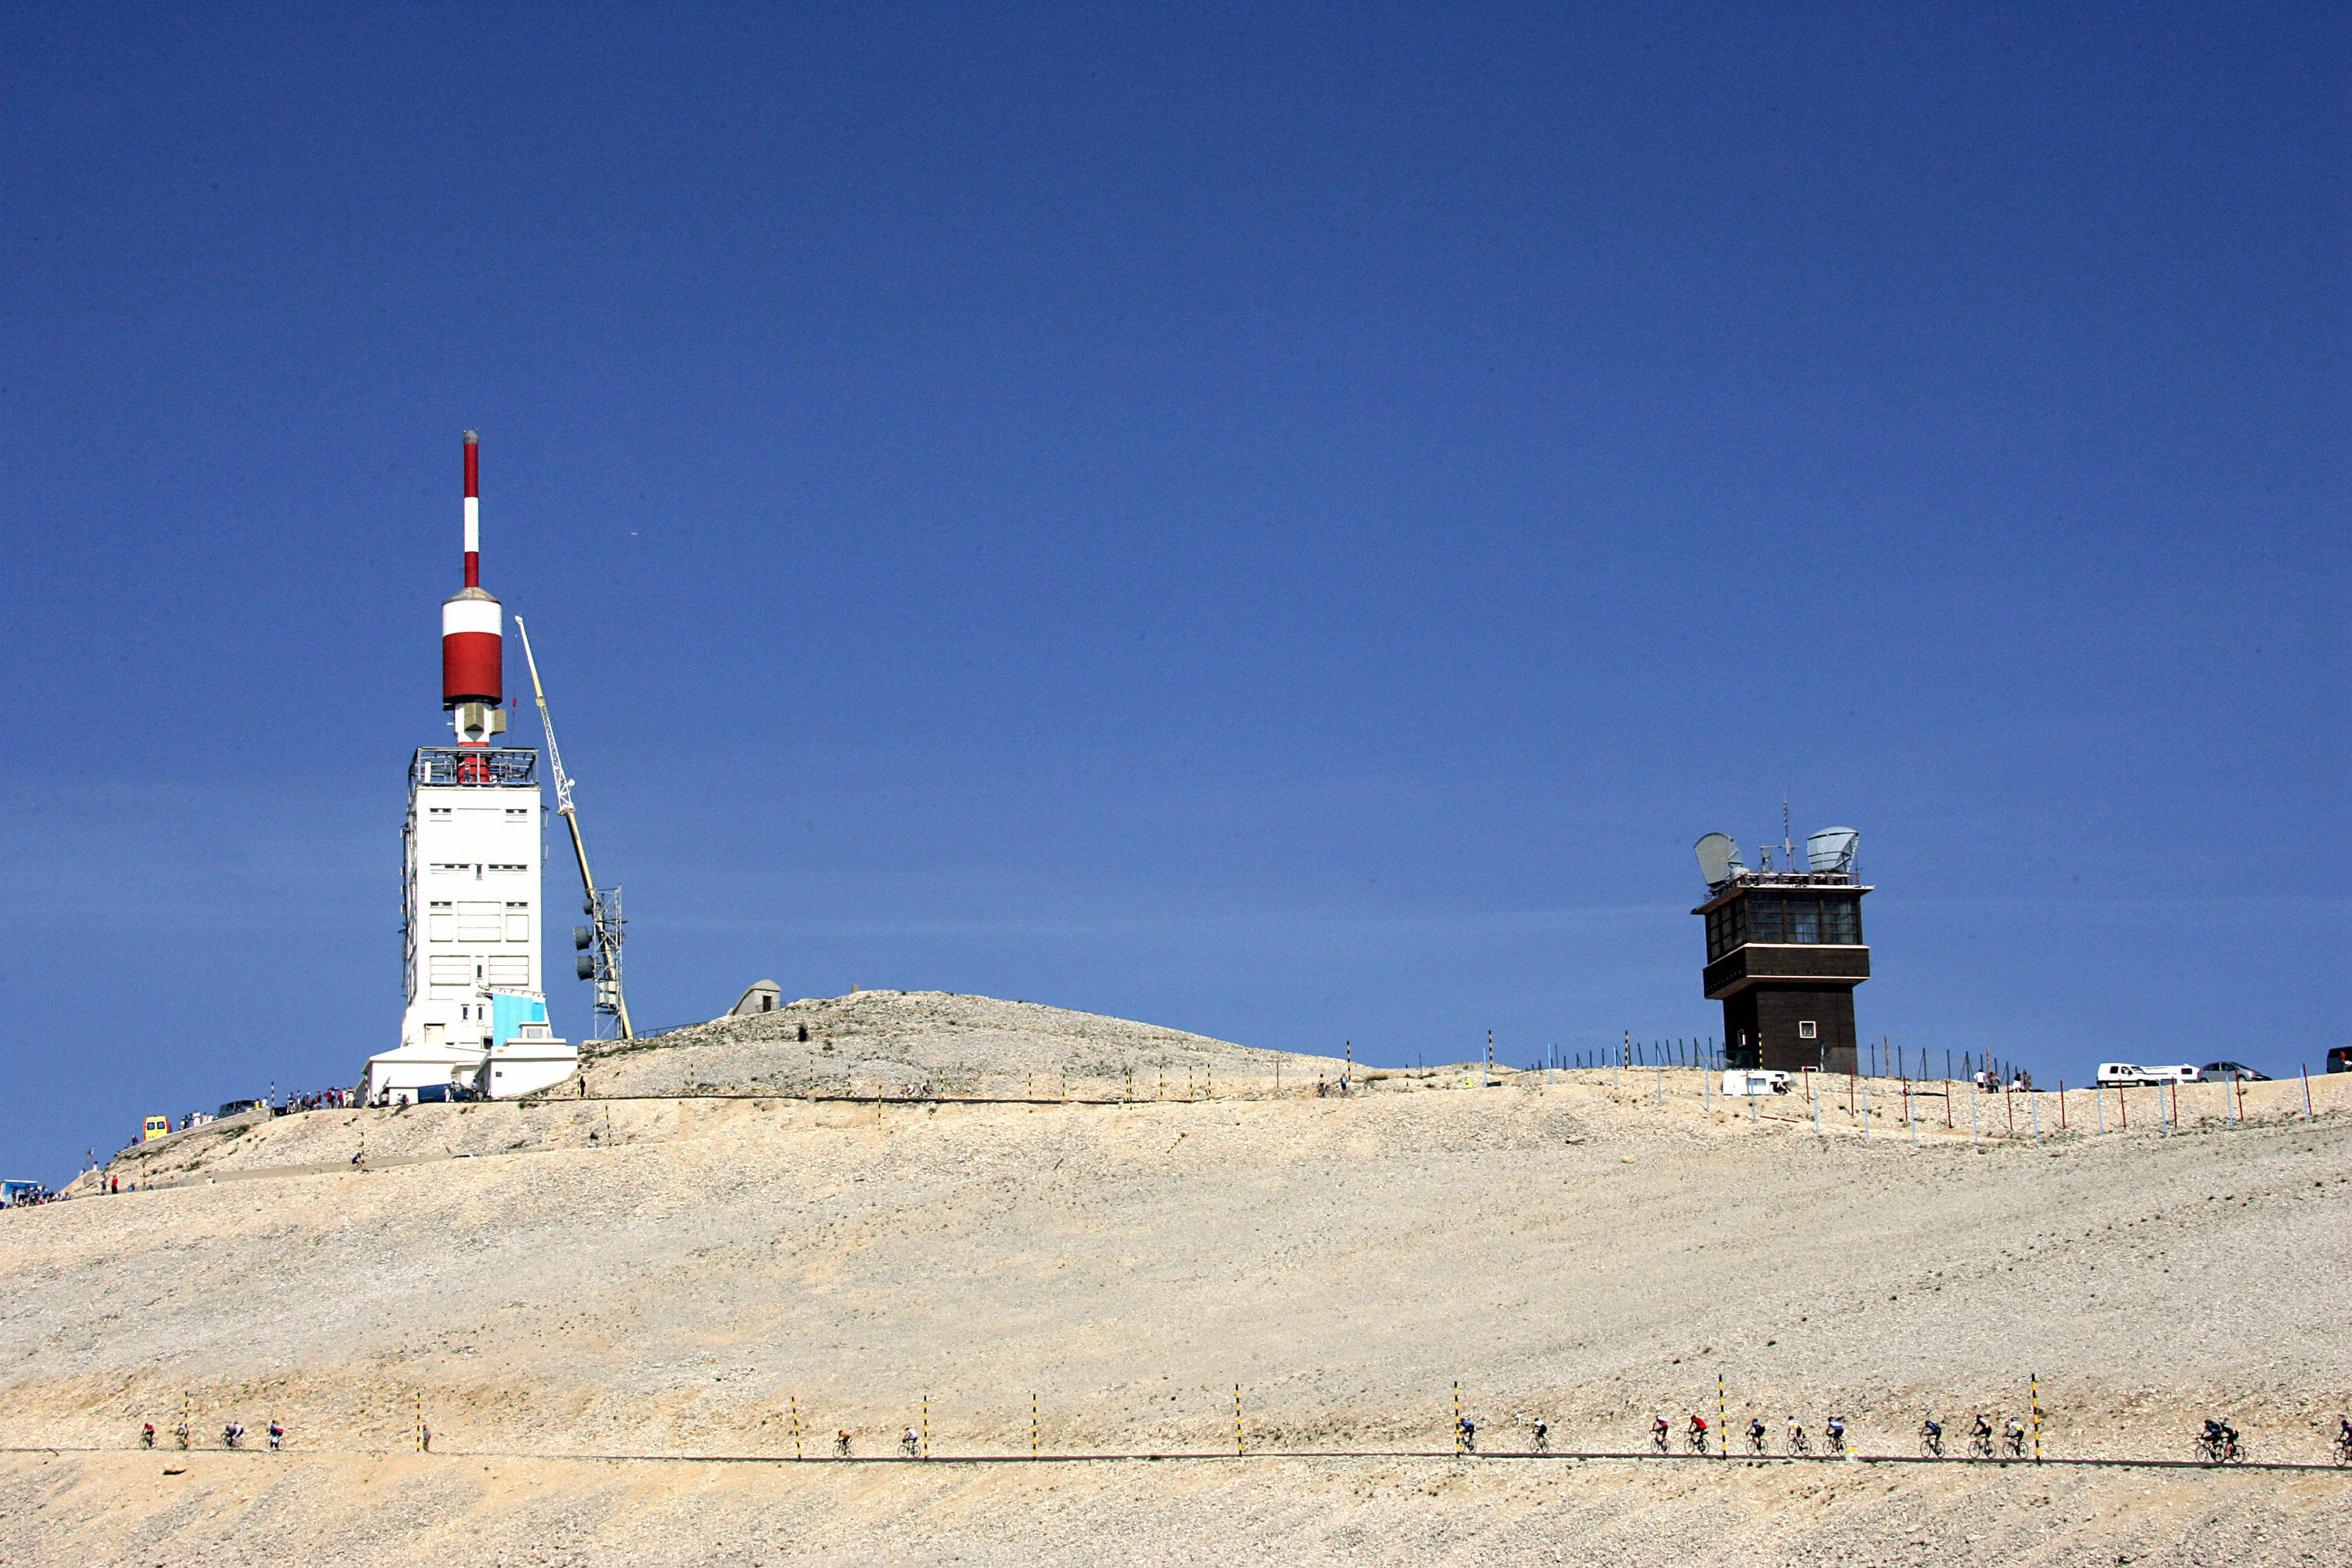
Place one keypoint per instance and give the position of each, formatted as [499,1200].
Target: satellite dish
[1832,849]
[1718,856]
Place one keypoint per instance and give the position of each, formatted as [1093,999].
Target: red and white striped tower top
[472,648]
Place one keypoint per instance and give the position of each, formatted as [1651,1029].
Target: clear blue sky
[1285,522]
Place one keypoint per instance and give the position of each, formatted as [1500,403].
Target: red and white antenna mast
[473,660]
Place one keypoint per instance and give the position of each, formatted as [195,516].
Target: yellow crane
[600,959]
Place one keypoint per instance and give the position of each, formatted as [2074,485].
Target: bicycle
[1658,1436]
[841,1445]
[2014,1444]
[1797,1443]
[1931,1440]
[1695,1439]
[2343,1449]
[1980,1442]
[1836,1435]
[2220,1449]
[1542,1438]
[147,1435]
[1756,1438]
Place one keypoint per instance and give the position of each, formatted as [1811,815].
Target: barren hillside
[691,1276]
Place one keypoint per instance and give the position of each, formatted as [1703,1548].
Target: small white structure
[1738,1081]
[395,1077]
[530,1061]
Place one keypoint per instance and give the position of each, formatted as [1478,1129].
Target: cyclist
[1981,1437]
[277,1435]
[840,1444]
[910,1441]
[1696,1433]
[1543,1438]
[1755,1434]
[2343,1439]
[231,1434]
[2013,1437]
[1797,1444]
[147,1435]
[1658,1433]
[1834,1429]
[1467,1430]
[181,1432]
[1931,1436]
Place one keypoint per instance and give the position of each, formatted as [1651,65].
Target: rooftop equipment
[1832,849]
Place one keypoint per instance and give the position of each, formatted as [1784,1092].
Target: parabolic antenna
[1718,856]
[1832,849]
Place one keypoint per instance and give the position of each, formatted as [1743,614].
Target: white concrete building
[473,928]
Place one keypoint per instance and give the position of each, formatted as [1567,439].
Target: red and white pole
[471,647]
[473,510]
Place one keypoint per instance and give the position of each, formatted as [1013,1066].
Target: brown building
[1784,951]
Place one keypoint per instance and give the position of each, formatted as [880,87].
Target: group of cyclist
[1696,1436]
[2218,1443]
[232,1435]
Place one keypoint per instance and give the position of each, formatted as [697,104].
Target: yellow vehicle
[156,1126]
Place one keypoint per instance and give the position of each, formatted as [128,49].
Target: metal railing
[445,766]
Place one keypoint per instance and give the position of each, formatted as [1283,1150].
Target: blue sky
[1282,522]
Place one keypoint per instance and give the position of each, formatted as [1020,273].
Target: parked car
[2233,1070]
[238,1107]
[2339,1058]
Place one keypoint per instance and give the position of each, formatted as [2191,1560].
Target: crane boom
[607,924]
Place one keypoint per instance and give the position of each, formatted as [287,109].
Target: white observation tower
[472,916]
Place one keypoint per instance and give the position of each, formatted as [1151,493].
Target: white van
[2125,1075]
[1754,1080]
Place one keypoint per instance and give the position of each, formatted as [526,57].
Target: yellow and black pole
[1722,1420]
[420,1421]
[797,1425]
[1457,1420]
[2033,1393]
[1237,1420]
[927,1423]
[1033,1424]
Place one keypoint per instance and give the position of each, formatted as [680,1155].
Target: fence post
[2033,1387]
[1237,1421]
[2305,1067]
[1457,1420]
[1032,1423]
[2033,1103]
[1722,1421]
[1814,1093]
[797,1425]
[927,1423]
[1972,1115]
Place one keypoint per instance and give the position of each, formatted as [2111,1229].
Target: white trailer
[2129,1075]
